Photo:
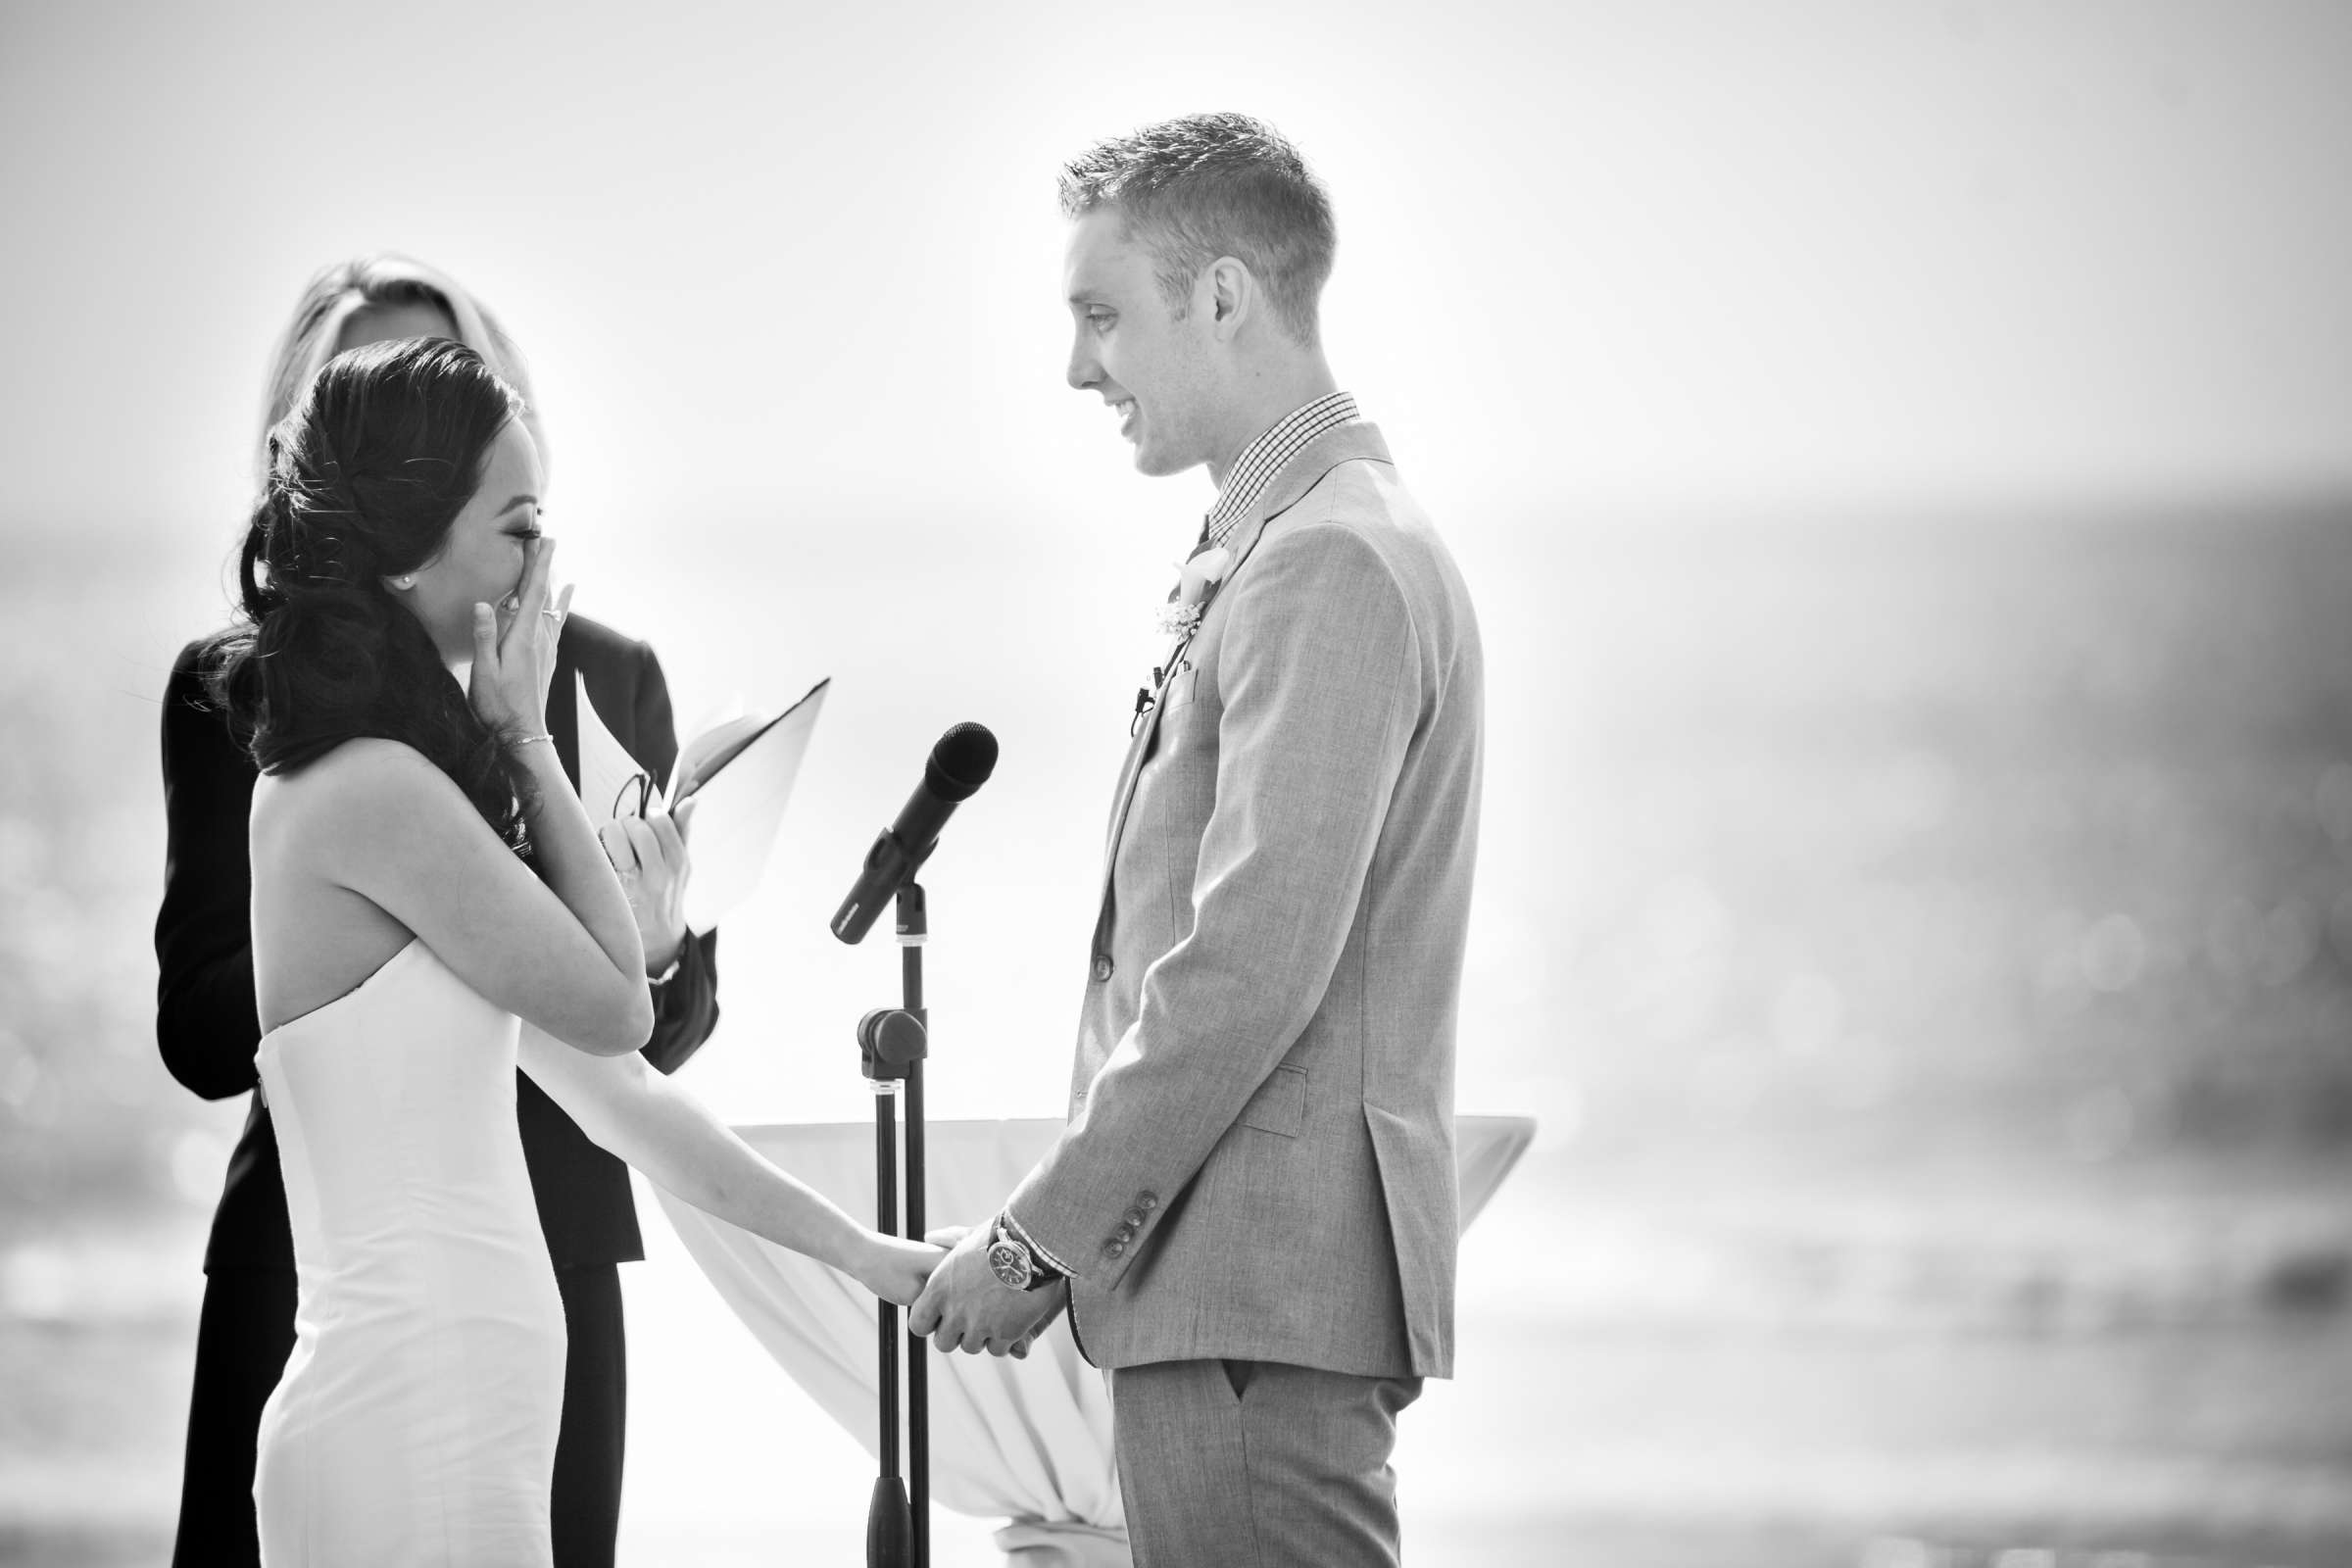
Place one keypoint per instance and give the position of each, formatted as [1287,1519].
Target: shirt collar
[1264,458]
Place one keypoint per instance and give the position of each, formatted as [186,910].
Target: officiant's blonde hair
[339,292]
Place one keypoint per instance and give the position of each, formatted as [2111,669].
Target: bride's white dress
[417,1419]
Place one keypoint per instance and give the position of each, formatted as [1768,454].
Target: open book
[742,772]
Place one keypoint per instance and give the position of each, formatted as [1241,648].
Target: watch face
[1011,1263]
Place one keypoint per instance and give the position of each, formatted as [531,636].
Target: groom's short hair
[1208,185]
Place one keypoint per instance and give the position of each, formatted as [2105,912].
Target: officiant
[208,1027]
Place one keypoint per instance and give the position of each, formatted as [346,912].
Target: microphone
[958,766]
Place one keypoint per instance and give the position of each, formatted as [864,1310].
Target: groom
[1251,1213]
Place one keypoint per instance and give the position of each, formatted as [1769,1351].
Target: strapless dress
[415,1422]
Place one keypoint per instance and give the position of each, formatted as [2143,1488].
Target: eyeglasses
[636,793]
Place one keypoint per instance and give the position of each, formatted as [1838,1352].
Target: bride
[406,959]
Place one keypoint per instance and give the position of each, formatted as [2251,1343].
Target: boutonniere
[1197,583]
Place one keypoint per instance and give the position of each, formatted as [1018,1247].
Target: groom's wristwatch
[1016,1264]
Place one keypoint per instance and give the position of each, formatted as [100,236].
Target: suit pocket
[1180,688]
[1280,1103]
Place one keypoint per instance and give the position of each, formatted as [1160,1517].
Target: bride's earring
[407,579]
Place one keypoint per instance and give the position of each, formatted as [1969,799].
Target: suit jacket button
[1116,1249]
[1146,1200]
[1102,966]
[1134,1217]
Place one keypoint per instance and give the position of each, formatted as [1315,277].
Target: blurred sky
[1688,252]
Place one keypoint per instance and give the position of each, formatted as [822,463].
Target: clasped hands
[966,1307]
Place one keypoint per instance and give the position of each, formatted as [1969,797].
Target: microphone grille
[961,762]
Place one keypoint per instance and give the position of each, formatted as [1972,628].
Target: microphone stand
[891,1043]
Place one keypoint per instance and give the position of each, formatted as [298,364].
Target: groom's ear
[1232,295]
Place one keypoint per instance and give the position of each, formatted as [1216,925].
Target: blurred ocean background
[1899,457]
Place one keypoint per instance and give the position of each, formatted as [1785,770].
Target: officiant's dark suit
[208,1027]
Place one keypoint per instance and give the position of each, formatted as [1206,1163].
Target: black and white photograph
[1294,785]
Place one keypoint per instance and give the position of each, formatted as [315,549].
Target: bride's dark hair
[367,473]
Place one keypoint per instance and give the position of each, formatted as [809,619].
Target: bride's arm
[563,953]
[382,821]
[513,666]
[652,1123]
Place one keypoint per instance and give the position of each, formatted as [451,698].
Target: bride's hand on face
[895,1269]
[514,651]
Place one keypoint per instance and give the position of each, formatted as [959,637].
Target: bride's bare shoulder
[364,781]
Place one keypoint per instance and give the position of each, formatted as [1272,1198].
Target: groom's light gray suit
[1258,1166]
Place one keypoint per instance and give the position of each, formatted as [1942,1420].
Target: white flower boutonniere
[1197,583]
[1179,620]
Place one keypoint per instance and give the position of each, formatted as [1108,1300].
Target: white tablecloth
[1029,1440]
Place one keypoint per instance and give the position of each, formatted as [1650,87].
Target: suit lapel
[562,708]
[1348,443]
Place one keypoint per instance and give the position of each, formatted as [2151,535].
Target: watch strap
[1017,1262]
